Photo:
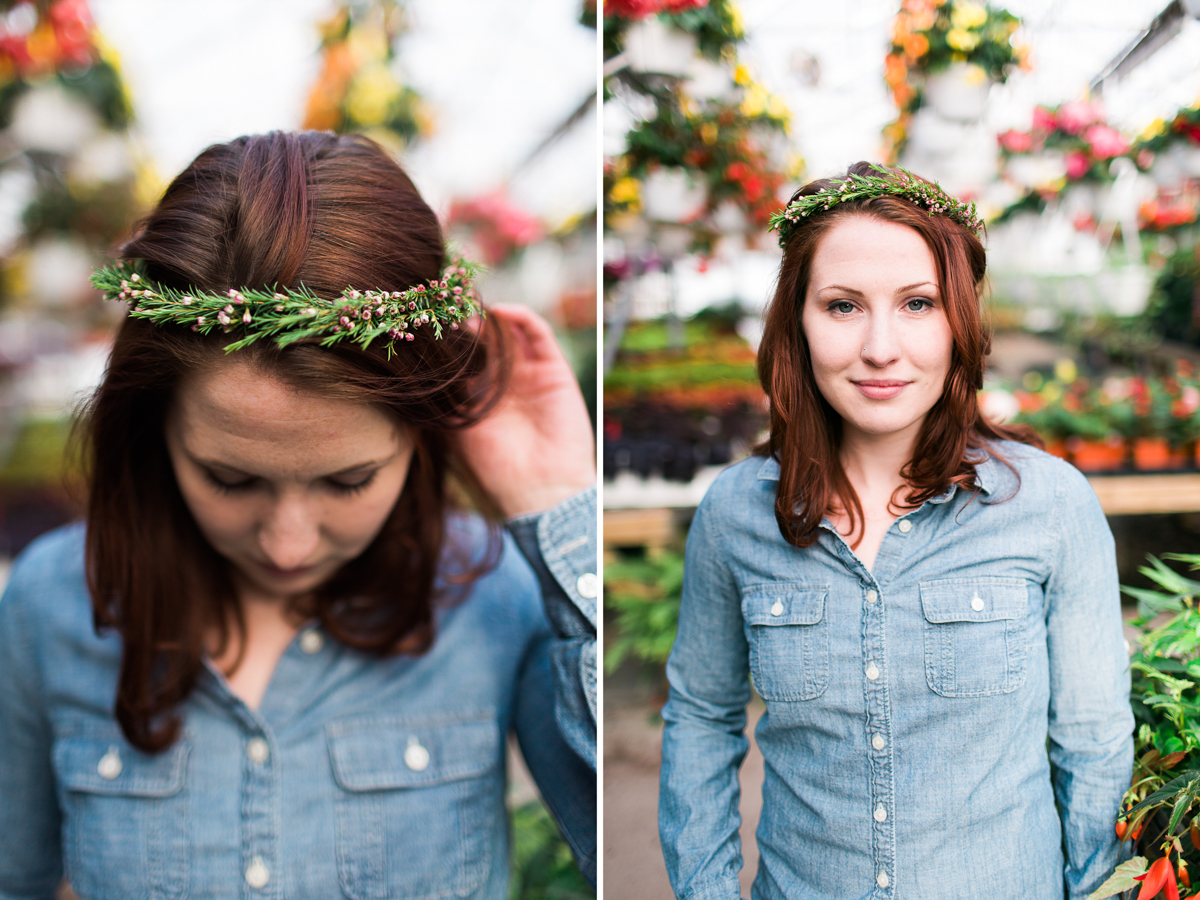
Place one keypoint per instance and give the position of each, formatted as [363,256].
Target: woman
[922,599]
[274,659]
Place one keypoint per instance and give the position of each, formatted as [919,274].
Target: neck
[873,462]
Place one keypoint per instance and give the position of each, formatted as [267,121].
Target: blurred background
[491,108]
[1075,127]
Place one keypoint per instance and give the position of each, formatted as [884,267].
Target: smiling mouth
[879,389]
[284,573]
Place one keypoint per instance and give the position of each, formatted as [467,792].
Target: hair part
[806,432]
[276,211]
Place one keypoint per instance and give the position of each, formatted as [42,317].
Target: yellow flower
[736,24]
[777,109]
[371,95]
[962,40]
[1052,392]
[968,15]
[754,103]
[1153,130]
[627,190]
[741,75]
[1065,370]
[709,132]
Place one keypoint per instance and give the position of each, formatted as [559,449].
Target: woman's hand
[535,449]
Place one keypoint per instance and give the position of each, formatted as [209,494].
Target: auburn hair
[276,210]
[806,432]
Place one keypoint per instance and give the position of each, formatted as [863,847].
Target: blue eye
[843,307]
[919,303]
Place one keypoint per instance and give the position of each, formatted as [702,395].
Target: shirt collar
[987,476]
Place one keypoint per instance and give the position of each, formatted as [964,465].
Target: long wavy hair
[282,209]
[806,432]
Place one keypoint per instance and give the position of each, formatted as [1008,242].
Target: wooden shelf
[1124,495]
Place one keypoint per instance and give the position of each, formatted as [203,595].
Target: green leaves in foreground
[1123,878]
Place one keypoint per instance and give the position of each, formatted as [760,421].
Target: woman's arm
[1091,724]
[30,845]
[704,739]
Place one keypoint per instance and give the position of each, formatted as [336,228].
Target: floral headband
[288,315]
[895,183]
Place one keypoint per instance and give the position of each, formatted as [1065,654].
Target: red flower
[1077,164]
[1043,119]
[1106,142]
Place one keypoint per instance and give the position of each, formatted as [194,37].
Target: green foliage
[1175,302]
[1159,806]
[38,457]
[542,866]
[643,595]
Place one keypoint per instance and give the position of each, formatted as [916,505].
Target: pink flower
[1076,115]
[1106,142]
[1043,119]
[1016,141]
[1077,164]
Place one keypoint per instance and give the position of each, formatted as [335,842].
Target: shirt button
[872,595]
[905,526]
[110,764]
[977,603]
[872,672]
[416,757]
[882,880]
[880,814]
[311,641]
[258,750]
[257,873]
[777,608]
[878,742]
[588,585]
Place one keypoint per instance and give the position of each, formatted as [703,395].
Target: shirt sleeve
[1090,720]
[560,674]
[704,740]
[30,845]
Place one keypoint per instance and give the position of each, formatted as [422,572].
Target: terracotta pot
[1156,454]
[1057,448]
[1097,456]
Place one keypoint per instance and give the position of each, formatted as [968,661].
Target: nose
[881,345]
[290,532]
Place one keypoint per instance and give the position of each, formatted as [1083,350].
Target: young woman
[927,605]
[275,660]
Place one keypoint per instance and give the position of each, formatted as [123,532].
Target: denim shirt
[357,776]
[922,718]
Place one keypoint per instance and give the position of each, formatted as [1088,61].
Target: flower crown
[288,316]
[896,183]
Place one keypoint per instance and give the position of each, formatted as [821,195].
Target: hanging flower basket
[652,46]
[669,195]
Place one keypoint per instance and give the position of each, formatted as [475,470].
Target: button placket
[878,725]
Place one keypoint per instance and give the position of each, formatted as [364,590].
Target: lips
[276,572]
[881,389]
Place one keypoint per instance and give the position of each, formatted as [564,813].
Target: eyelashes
[242,487]
[846,308]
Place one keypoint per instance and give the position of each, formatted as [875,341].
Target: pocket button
[777,609]
[110,764]
[416,757]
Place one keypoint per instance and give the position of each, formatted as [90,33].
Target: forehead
[238,414]
[860,246]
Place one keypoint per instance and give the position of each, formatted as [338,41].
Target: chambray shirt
[356,777]
[922,718]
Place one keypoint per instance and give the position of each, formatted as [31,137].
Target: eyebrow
[216,464]
[857,293]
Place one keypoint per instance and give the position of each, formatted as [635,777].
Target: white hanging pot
[1187,158]
[960,92]
[652,46]
[669,195]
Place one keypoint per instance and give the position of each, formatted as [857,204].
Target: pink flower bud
[279,309]
[409,337]
[186,301]
[229,308]
[345,320]
[246,317]
[223,317]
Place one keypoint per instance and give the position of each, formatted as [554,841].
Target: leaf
[1168,791]
[1181,806]
[1123,878]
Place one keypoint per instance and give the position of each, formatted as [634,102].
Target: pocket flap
[973,599]
[382,753]
[782,603]
[100,765]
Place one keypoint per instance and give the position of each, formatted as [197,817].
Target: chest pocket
[789,640]
[417,804]
[975,635]
[125,818]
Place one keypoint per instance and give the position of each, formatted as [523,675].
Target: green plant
[643,596]
[542,867]
[1158,809]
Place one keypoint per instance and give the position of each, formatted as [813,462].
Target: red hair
[285,210]
[806,431]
